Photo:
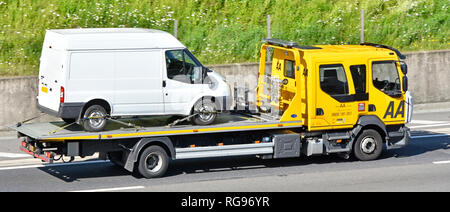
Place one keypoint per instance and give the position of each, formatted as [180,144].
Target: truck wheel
[153,162]
[206,112]
[368,146]
[92,120]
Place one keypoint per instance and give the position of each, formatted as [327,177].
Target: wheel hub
[206,113]
[153,162]
[368,145]
[96,118]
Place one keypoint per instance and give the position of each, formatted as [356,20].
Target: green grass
[225,31]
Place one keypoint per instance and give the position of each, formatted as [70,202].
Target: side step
[227,150]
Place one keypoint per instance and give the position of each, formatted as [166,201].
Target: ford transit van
[89,75]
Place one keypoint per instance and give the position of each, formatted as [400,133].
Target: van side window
[289,70]
[175,66]
[181,67]
[333,80]
[359,78]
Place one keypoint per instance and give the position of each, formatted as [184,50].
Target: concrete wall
[429,76]
[429,82]
[18,101]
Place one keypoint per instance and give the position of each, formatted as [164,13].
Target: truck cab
[340,89]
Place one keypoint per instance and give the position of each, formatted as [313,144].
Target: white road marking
[426,122]
[14,155]
[442,162]
[430,125]
[8,138]
[111,189]
[429,136]
[52,165]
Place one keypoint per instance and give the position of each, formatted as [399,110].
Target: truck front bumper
[396,142]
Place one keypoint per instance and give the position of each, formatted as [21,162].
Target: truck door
[335,99]
[387,100]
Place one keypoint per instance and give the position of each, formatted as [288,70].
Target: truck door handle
[164,84]
[372,108]
[319,112]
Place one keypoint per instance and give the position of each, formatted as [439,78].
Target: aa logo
[390,110]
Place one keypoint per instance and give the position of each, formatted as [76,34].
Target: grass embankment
[225,31]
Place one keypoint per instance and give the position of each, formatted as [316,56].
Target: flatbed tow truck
[313,100]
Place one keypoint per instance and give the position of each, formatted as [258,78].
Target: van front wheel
[206,112]
[94,118]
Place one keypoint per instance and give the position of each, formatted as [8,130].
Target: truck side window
[385,76]
[289,70]
[359,78]
[333,80]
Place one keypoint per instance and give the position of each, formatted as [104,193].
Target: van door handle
[164,84]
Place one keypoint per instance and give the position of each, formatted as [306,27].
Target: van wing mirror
[204,72]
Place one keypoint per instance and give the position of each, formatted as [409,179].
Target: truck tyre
[206,112]
[368,145]
[90,122]
[153,162]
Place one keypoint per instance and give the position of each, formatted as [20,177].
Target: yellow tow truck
[312,100]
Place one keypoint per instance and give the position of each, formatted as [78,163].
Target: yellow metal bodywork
[112,135]
[300,97]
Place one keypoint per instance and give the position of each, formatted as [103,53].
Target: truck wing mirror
[405,83]
[404,67]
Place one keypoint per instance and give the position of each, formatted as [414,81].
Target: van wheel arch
[100,102]
[211,98]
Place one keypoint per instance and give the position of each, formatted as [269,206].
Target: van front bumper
[66,110]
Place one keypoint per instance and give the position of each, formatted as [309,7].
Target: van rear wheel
[94,118]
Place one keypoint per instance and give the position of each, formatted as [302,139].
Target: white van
[86,75]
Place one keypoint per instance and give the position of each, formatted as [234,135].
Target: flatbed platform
[150,127]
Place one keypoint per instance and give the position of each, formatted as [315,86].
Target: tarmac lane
[423,165]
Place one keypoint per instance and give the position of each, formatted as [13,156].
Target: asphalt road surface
[424,165]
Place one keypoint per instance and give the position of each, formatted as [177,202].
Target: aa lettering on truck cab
[390,110]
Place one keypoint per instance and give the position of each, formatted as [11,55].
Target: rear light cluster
[61,95]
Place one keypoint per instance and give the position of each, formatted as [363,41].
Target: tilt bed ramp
[148,149]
